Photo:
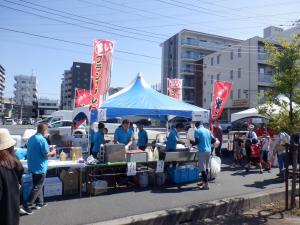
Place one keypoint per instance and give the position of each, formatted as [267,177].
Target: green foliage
[285,59]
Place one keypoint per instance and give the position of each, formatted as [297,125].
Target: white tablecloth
[52,164]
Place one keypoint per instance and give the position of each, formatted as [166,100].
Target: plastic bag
[215,166]
[217,143]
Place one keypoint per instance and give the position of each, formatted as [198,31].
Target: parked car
[9,122]
[225,125]
[66,125]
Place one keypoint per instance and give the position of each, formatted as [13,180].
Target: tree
[285,60]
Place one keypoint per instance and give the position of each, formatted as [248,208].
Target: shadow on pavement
[262,184]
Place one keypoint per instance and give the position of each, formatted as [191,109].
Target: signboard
[131,168]
[200,116]
[82,97]
[102,114]
[160,165]
[174,88]
[101,70]
[240,102]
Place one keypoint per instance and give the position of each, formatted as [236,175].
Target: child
[238,144]
[265,148]
[255,156]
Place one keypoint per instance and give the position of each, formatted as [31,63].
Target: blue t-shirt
[123,137]
[172,140]
[92,133]
[143,138]
[21,153]
[204,137]
[37,146]
[98,140]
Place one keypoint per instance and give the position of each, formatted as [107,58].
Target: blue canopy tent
[141,100]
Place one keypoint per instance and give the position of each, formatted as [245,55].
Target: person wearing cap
[37,160]
[123,135]
[11,171]
[142,137]
[249,136]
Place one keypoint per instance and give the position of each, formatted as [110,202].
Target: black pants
[36,194]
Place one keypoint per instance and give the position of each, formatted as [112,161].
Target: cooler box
[26,186]
[136,156]
[97,187]
[183,174]
[114,153]
[52,187]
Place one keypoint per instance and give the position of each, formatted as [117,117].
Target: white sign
[102,114]
[160,165]
[201,116]
[131,168]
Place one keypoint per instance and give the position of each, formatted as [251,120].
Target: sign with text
[174,88]
[101,70]
[102,114]
[131,168]
[201,116]
[160,165]
[221,92]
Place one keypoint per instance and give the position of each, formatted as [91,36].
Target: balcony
[190,57]
[188,70]
[263,56]
[265,77]
[202,44]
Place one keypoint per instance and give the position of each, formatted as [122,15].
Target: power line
[72,42]
[77,25]
[96,20]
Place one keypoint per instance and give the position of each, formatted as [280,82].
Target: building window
[231,74]
[239,52]
[210,96]
[231,95]
[204,83]
[239,93]
[211,61]
[218,59]
[239,73]
[211,79]
[204,99]
[231,55]
[218,76]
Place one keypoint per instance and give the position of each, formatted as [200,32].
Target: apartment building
[180,54]
[245,65]
[47,106]
[2,87]
[79,76]
[26,96]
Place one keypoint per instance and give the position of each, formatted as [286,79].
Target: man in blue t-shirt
[123,135]
[203,137]
[142,137]
[174,138]
[98,139]
[37,160]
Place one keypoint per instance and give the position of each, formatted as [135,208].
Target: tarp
[253,112]
[141,100]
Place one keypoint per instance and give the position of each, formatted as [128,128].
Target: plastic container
[26,186]
[183,174]
[143,179]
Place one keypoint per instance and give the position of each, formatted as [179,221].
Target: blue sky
[125,22]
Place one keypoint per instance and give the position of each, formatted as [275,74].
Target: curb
[195,212]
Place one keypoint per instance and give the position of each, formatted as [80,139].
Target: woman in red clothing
[255,156]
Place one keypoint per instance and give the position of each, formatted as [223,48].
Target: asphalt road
[118,204]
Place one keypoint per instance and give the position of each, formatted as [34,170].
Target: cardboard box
[70,182]
[97,187]
[52,187]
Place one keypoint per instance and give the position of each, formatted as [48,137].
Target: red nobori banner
[101,69]
[82,97]
[174,88]
[221,92]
